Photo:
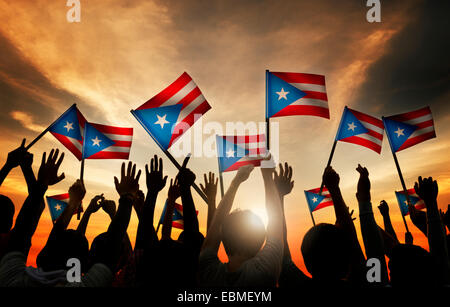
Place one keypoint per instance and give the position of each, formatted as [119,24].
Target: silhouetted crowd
[257,256]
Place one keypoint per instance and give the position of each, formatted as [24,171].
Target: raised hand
[446,217]
[363,192]
[154,178]
[210,187]
[109,206]
[174,190]
[138,204]
[185,176]
[77,192]
[384,208]
[95,203]
[243,173]
[129,181]
[330,178]
[283,179]
[48,172]
[15,157]
[427,189]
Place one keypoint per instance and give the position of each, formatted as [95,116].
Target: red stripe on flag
[363,142]
[411,115]
[418,139]
[303,110]
[375,134]
[110,155]
[167,93]
[68,144]
[122,143]
[367,118]
[323,205]
[315,95]
[185,101]
[293,77]
[112,129]
[237,165]
[60,196]
[424,124]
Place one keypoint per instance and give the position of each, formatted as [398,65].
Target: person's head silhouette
[6,214]
[60,248]
[326,252]
[243,234]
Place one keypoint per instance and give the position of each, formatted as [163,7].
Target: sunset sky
[124,52]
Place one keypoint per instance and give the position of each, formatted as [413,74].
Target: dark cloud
[416,69]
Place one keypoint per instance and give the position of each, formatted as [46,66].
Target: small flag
[361,129]
[177,218]
[69,129]
[57,204]
[236,151]
[408,129]
[318,201]
[415,200]
[296,94]
[170,113]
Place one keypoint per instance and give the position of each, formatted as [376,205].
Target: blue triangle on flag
[281,94]
[68,125]
[160,122]
[349,126]
[397,132]
[94,141]
[313,200]
[229,153]
[56,207]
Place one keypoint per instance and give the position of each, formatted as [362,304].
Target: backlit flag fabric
[170,113]
[408,129]
[236,151]
[107,142]
[415,200]
[57,204]
[177,218]
[69,130]
[361,129]
[296,94]
[318,201]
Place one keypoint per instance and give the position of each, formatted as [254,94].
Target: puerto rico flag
[106,142]
[173,111]
[318,201]
[361,129]
[236,151]
[415,200]
[57,204]
[177,218]
[295,94]
[408,129]
[69,129]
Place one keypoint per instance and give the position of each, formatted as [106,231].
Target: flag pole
[222,193]
[82,180]
[402,181]
[172,159]
[47,129]
[267,112]
[310,212]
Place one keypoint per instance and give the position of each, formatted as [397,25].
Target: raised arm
[384,211]
[210,190]
[173,194]
[93,207]
[427,189]
[186,179]
[212,240]
[419,219]
[30,213]
[373,241]
[14,159]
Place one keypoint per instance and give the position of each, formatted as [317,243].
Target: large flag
[415,200]
[106,142]
[236,151]
[296,94]
[408,129]
[57,204]
[317,200]
[170,113]
[361,129]
[68,129]
[177,218]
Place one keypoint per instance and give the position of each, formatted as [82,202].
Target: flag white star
[351,126]
[230,153]
[314,199]
[161,121]
[68,126]
[58,207]
[399,132]
[282,94]
[96,141]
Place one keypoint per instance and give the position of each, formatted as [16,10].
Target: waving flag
[318,201]
[106,142]
[57,204]
[415,200]
[296,94]
[408,129]
[177,218]
[68,129]
[170,113]
[361,129]
[236,151]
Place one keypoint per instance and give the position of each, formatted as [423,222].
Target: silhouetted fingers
[44,157]
[60,178]
[160,165]
[281,169]
[138,175]
[61,158]
[185,161]
[122,170]
[23,143]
